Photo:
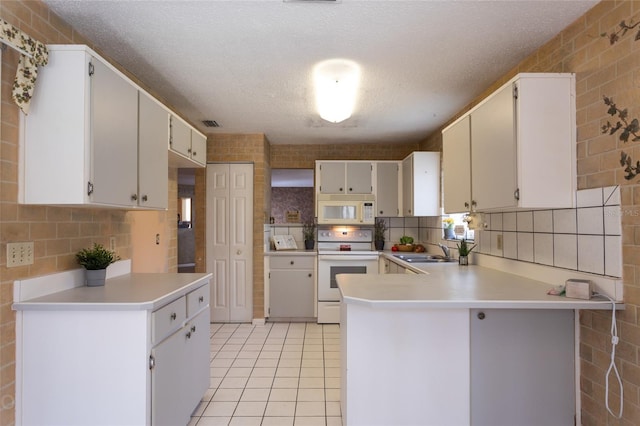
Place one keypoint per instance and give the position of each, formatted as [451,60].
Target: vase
[95,277]
[379,244]
[308,244]
[449,234]
[463,260]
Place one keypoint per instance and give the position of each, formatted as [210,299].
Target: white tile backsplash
[510,245]
[589,197]
[525,246]
[612,216]
[612,256]
[564,221]
[591,253]
[524,221]
[565,253]
[509,222]
[543,249]
[590,220]
[611,195]
[543,221]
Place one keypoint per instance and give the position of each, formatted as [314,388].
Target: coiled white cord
[612,365]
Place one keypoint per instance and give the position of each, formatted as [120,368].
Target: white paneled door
[229,241]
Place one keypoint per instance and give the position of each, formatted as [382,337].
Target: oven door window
[345,270]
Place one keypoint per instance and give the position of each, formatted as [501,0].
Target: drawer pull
[201,299]
[193,329]
[173,316]
[188,335]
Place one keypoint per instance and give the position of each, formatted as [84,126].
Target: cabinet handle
[188,335]
[134,197]
[481,315]
[466,204]
[145,198]
[201,299]
[516,194]
[193,328]
[173,316]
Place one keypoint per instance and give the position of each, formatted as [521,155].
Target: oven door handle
[346,258]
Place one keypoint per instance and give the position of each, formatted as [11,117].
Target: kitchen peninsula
[457,346]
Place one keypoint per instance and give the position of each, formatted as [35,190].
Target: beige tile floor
[280,374]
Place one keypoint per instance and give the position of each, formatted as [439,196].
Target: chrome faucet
[445,250]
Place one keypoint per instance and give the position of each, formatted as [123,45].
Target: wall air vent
[210,123]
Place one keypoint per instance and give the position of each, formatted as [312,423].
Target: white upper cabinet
[344,177]
[522,145]
[187,146]
[456,165]
[388,184]
[153,130]
[421,184]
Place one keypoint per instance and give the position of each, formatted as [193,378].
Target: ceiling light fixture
[336,84]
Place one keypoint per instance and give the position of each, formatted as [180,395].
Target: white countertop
[290,253]
[448,285]
[136,291]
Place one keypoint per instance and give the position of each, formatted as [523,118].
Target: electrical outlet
[19,254]
[499,241]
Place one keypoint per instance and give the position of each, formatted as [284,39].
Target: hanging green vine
[628,130]
[623,27]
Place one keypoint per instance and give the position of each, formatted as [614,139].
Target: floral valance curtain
[32,55]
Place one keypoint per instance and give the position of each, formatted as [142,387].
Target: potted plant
[379,229]
[309,235]
[95,260]
[463,251]
[448,223]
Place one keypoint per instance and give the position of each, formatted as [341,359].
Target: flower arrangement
[448,222]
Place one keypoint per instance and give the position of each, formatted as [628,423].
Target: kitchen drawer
[197,300]
[292,262]
[168,318]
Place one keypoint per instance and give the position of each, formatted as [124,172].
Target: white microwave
[336,209]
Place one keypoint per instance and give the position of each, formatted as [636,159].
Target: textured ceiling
[248,64]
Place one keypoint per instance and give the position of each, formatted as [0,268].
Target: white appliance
[341,250]
[337,209]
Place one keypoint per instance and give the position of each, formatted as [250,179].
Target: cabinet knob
[173,316]
[310,275]
[188,335]
[201,299]
[292,262]
[350,189]
[381,212]
[134,197]
[189,150]
[481,315]
[145,198]
[341,189]
[193,328]
[466,204]
[194,153]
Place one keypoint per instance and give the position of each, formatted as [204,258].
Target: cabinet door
[114,138]
[407,186]
[291,293]
[196,365]
[332,177]
[522,367]
[180,136]
[359,178]
[387,196]
[456,167]
[198,148]
[167,378]
[493,152]
[153,134]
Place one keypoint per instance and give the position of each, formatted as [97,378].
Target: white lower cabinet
[292,287]
[113,363]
